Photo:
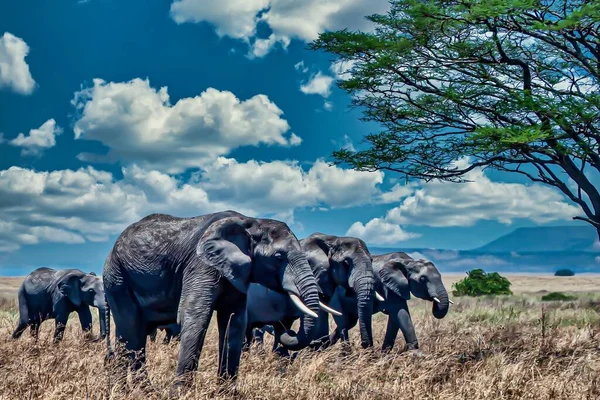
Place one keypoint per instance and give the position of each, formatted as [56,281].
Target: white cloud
[262,47]
[328,106]
[341,70]
[301,67]
[379,232]
[139,125]
[444,204]
[318,84]
[74,206]
[38,139]
[440,204]
[281,186]
[287,19]
[89,205]
[14,71]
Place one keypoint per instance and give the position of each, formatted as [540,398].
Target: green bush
[558,296]
[479,283]
[564,272]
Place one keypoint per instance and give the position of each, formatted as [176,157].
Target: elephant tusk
[301,306]
[436,299]
[451,302]
[330,310]
[379,297]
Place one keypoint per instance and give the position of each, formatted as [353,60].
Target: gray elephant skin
[163,269]
[48,293]
[338,263]
[398,275]
[172,331]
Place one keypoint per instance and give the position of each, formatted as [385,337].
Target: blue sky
[113,110]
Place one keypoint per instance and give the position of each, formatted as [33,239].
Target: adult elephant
[47,293]
[397,276]
[164,269]
[336,262]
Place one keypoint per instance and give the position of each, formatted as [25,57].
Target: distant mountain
[542,249]
[545,239]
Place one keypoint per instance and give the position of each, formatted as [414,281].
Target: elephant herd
[171,273]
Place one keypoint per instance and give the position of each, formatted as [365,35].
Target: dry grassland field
[509,347]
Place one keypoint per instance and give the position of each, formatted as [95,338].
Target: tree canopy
[506,84]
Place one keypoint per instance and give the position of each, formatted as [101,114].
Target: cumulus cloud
[302,20]
[318,84]
[441,204]
[70,206]
[279,186]
[380,232]
[14,71]
[38,139]
[445,204]
[139,125]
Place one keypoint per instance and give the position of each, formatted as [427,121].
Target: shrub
[479,283]
[564,272]
[558,296]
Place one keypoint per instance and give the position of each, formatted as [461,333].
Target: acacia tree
[507,84]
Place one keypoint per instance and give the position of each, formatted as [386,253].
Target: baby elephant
[47,293]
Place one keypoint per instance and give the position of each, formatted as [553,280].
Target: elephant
[164,269]
[397,276]
[171,331]
[337,262]
[48,293]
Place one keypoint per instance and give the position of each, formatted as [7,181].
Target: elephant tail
[110,353]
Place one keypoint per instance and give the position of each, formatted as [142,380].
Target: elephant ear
[71,289]
[226,246]
[318,252]
[393,277]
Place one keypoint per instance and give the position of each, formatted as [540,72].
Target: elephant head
[264,251]
[92,294]
[405,275]
[344,262]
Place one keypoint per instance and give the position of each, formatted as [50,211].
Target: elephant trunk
[441,305]
[365,292]
[298,280]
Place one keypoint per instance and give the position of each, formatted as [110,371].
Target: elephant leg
[399,318]
[280,328]
[258,336]
[195,310]
[23,316]
[168,336]
[130,328]
[248,338]
[34,329]
[152,335]
[232,320]
[60,323]
[85,319]
[351,321]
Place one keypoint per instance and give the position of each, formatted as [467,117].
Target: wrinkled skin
[342,263]
[172,331]
[398,275]
[47,293]
[165,270]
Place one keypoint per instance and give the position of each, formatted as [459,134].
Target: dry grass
[503,348]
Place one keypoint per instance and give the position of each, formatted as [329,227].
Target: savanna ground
[509,347]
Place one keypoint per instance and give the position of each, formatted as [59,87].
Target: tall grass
[486,348]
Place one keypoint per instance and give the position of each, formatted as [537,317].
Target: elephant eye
[279,256]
